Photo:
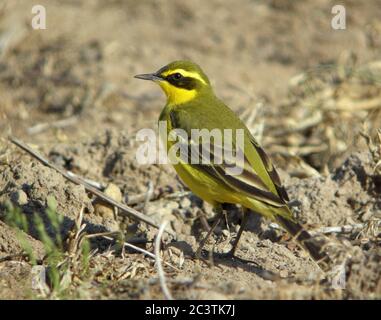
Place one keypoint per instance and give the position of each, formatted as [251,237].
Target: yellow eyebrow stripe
[184,73]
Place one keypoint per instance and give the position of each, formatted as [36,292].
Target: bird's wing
[223,162]
[270,170]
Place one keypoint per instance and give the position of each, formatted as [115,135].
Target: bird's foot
[206,258]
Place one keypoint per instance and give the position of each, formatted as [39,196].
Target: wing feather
[271,170]
[221,160]
[247,182]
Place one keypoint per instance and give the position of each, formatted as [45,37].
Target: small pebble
[171,205]
[367,215]
[175,250]
[104,209]
[111,224]
[19,197]
[303,253]
[113,192]
[283,273]
[185,203]
[225,232]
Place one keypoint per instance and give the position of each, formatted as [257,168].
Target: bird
[192,104]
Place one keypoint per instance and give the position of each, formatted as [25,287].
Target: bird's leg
[220,213]
[239,234]
[204,223]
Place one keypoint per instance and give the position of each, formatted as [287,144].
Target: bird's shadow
[253,225]
[216,259]
[230,261]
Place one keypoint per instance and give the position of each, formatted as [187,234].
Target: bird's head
[181,81]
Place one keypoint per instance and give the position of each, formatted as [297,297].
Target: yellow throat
[177,95]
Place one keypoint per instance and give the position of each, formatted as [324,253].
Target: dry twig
[159,267]
[327,230]
[40,127]
[75,179]
[338,229]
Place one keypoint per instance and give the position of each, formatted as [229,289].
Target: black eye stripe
[175,76]
[184,82]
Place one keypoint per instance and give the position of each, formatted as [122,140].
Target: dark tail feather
[312,244]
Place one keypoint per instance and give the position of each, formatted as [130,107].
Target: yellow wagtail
[192,104]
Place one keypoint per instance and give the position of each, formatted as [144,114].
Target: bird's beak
[149,76]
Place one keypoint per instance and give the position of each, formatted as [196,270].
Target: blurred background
[304,89]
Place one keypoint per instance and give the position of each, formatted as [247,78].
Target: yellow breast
[199,182]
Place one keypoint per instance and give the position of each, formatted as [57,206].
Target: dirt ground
[309,93]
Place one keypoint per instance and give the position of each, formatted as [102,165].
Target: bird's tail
[313,245]
[316,246]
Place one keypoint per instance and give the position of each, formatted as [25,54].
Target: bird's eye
[177,76]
